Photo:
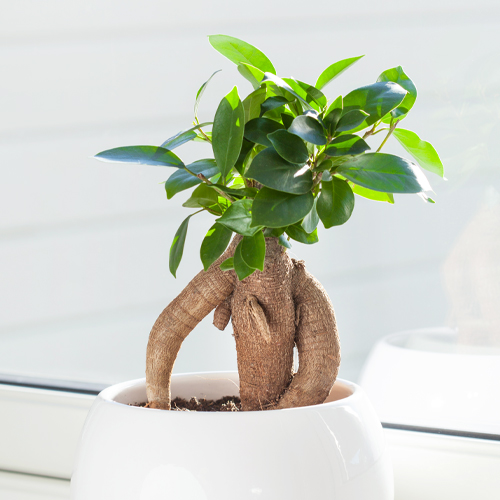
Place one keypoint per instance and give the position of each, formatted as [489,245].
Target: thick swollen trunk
[271,312]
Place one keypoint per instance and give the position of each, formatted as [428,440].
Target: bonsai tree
[285,158]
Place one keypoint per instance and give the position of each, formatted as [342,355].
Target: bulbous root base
[271,311]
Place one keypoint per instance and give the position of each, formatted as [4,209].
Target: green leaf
[235,192]
[384,172]
[334,70]
[297,233]
[376,99]
[227,132]
[213,245]
[183,137]
[200,92]
[227,265]
[309,129]
[372,195]
[177,247]
[144,155]
[277,209]
[202,196]
[351,120]
[335,203]
[238,51]
[253,250]
[346,145]
[252,104]
[238,218]
[182,180]
[280,83]
[256,130]
[421,150]
[398,76]
[287,119]
[283,241]
[289,146]
[251,73]
[271,170]
[273,102]
[311,220]
[242,269]
[310,94]
[333,114]
[246,147]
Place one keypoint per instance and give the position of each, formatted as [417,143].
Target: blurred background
[84,245]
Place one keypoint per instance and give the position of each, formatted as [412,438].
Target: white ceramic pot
[425,378]
[331,451]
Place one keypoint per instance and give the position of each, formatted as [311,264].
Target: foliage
[285,158]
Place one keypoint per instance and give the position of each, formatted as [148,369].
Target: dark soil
[227,403]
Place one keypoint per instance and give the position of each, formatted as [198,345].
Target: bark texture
[271,311]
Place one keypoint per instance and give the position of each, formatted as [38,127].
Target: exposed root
[222,314]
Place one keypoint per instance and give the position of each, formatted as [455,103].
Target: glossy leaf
[335,203]
[297,233]
[287,119]
[333,114]
[311,220]
[346,145]
[289,146]
[422,151]
[350,120]
[239,192]
[282,240]
[376,99]
[280,83]
[242,269]
[252,104]
[334,70]
[177,247]
[227,265]
[238,51]
[246,147]
[238,218]
[227,131]
[372,195]
[201,91]
[182,180]
[251,73]
[183,137]
[309,129]
[256,130]
[273,171]
[253,250]
[310,94]
[214,244]
[398,76]
[277,209]
[144,155]
[202,196]
[272,103]
[384,172]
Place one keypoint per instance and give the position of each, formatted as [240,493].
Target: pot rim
[108,395]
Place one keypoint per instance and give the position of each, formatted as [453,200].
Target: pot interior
[200,385]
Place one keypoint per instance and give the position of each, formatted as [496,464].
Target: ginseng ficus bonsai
[285,158]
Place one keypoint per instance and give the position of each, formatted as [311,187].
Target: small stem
[224,195]
[205,135]
[391,130]
[317,180]
[370,132]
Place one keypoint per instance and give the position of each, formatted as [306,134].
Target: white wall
[84,245]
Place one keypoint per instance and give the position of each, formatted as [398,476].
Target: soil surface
[227,403]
